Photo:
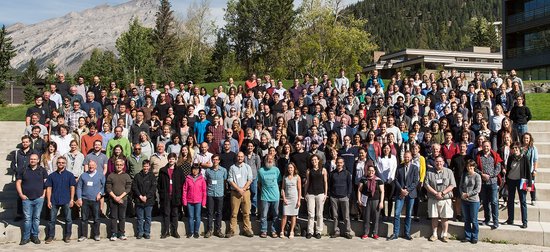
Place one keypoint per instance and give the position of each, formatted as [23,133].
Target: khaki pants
[243,203]
[315,209]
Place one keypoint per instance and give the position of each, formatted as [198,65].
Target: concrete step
[544,160]
[543,175]
[540,136]
[543,147]
[536,234]
[539,126]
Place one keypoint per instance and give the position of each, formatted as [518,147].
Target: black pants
[388,194]
[118,217]
[169,217]
[90,210]
[215,208]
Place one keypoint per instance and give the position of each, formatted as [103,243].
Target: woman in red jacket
[194,197]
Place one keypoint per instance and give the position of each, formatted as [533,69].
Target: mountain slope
[433,24]
[69,40]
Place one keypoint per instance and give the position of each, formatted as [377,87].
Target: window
[481,60]
[462,59]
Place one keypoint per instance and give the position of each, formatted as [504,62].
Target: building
[526,38]
[413,60]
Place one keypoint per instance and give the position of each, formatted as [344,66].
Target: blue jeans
[194,217]
[399,202]
[254,196]
[143,216]
[273,207]
[31,211]
[469,212]
[513,186]
[489,197]
[521,128]
[50,229]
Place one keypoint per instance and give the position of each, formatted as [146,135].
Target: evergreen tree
[7,52]
[103,64]
[31,74]
[165,40]
[51,71]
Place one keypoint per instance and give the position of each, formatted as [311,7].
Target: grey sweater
[470,184]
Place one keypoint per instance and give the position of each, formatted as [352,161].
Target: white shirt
[63,143]
[386,168]
[55,97]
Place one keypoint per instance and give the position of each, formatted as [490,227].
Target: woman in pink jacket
[194,197]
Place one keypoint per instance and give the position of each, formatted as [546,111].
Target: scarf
[371,184]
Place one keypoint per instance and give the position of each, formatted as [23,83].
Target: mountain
[69,40]
[426,24]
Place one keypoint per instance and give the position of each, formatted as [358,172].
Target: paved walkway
[257,244]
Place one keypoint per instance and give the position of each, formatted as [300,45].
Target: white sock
[444,234]
[434,233]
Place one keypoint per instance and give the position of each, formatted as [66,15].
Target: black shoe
[509,222]
[348,236]
[473,241]
[146,237]
[24,242]
[188,235]
[416,219]
[35,240]
[308,236]
[49,240]
[219,234]
[465,240]
[317,236]
[495,226]
[335,235]
[175,235]
[139,237]
[408,237]
[459,218]
[208,234]
[67,240]
[391,238]
[196,236]
[524,225]
[163,236]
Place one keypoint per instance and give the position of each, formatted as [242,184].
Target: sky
[34,11]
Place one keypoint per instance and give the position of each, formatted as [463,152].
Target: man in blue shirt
[60,189]
[269,177]
[201,126]
[215,180]
[88,192]
[30,187]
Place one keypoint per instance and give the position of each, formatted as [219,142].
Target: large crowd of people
[324,149]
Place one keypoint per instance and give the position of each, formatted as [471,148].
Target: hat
[190,82]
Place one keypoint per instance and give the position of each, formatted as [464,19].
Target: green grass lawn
[13,113]
[539,104]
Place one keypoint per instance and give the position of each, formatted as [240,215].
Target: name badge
[239,176]
[439,181]
[90,183]
[170,181]
[214,182]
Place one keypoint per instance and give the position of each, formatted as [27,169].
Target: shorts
[440,208]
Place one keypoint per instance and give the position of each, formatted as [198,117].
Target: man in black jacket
[144,189]
[170,189]
[296,126]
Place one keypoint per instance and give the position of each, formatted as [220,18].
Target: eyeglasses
[137,149]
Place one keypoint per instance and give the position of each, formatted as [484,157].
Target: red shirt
[250,84]
[449,151]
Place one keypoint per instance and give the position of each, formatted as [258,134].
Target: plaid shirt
[217,132]
[72,118]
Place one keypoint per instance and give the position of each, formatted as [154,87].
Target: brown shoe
[248,233]
[67,239]
[444,239]
[49,240]
[229,235]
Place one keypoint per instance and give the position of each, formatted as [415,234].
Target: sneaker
[35,240]
[364,237]
[139,237]
[348,236]
[375,237]
[473,241]
[196,236]
[433,238]
[444,239]
[335,235]
[523,226]
[219,234]
[123,237]
[49,240]
[317,236]
[82,238]
[24,242]
[97,238]
[113,238]
[308,236]
[533,202]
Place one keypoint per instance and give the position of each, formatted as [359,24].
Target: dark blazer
[146,185]
[327,126]
[349,132]
[412,180]
[178,179]
[291,129]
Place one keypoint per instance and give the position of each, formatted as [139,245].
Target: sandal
[291,235]
[282,235]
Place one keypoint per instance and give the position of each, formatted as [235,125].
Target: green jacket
[126,146]
[135,165]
